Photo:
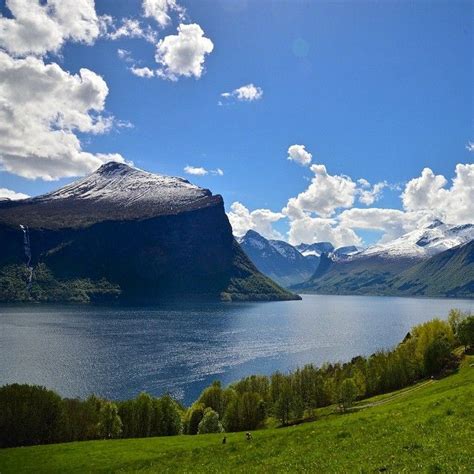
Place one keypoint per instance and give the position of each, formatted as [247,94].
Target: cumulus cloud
[324,195]
[430,192]
[309,229]
[183,54]
[42,107]
[247,93]
[142,71]
[260,220]
[37,27]
[200,171]
[299,154]
[160,10]
[9,194]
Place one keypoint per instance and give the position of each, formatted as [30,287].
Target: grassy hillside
[427,428]
[450,273]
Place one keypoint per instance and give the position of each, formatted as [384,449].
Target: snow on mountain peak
[422,243]
[118,182]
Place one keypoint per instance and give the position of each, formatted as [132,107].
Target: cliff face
[123,233]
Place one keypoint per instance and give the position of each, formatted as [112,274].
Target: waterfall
[27,248]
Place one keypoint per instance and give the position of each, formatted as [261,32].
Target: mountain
[342,253]
[386,268]
[277,259]
[449,273]
[123,233]
[422,243]
[315,249]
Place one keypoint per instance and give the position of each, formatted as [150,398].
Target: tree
[284,403]
[437,356]
[348,392]
[213,397]
[29,415]
[193,418]
[251,410]
[465,331]
[144,413]
[110,424]
[210,422]
[167,420]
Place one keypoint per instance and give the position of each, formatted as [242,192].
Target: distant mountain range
[122,233]
[286,264]
[433,261]
[279,260]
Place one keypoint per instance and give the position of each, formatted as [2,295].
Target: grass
[430,429]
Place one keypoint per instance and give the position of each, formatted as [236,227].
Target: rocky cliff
[122,233]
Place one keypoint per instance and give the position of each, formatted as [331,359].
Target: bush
[210,422]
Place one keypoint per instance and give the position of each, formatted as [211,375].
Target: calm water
[118,352]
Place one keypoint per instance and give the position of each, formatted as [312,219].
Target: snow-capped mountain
[422,243]
[277,259]
[114,192]
[315,249]
[125,233]
[342,253]
[118,182]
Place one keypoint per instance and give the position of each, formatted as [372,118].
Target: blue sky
[373,90]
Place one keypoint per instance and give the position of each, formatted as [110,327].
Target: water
[119,352]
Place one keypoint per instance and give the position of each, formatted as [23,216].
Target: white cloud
[260,220]
[142,71]
[132,28]
[324,195]
[368,195]
[160,10]
[299,154]
[200,171]
[309,229]
[247,93]
[42,107]
[183,54]
[429,192]
[195,170]
[125,55]
[13,195]
[37,28]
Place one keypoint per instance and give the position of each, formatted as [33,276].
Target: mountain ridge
[125,234]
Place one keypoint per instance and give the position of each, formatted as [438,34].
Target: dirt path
[393,397]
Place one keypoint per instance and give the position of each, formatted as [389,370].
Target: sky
[315,120]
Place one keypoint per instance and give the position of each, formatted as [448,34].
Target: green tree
[110,424]
[210,422]
[167,420]
[348,393]
[143,412]
[437,355]
[29,415]
[283,405]
[213,397]
[466,331]
[193,418]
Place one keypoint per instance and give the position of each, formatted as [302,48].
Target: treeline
[34,415]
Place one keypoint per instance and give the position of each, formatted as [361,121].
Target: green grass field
[426,428]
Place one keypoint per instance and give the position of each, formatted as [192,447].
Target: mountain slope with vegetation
[125,234]
[449,273]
